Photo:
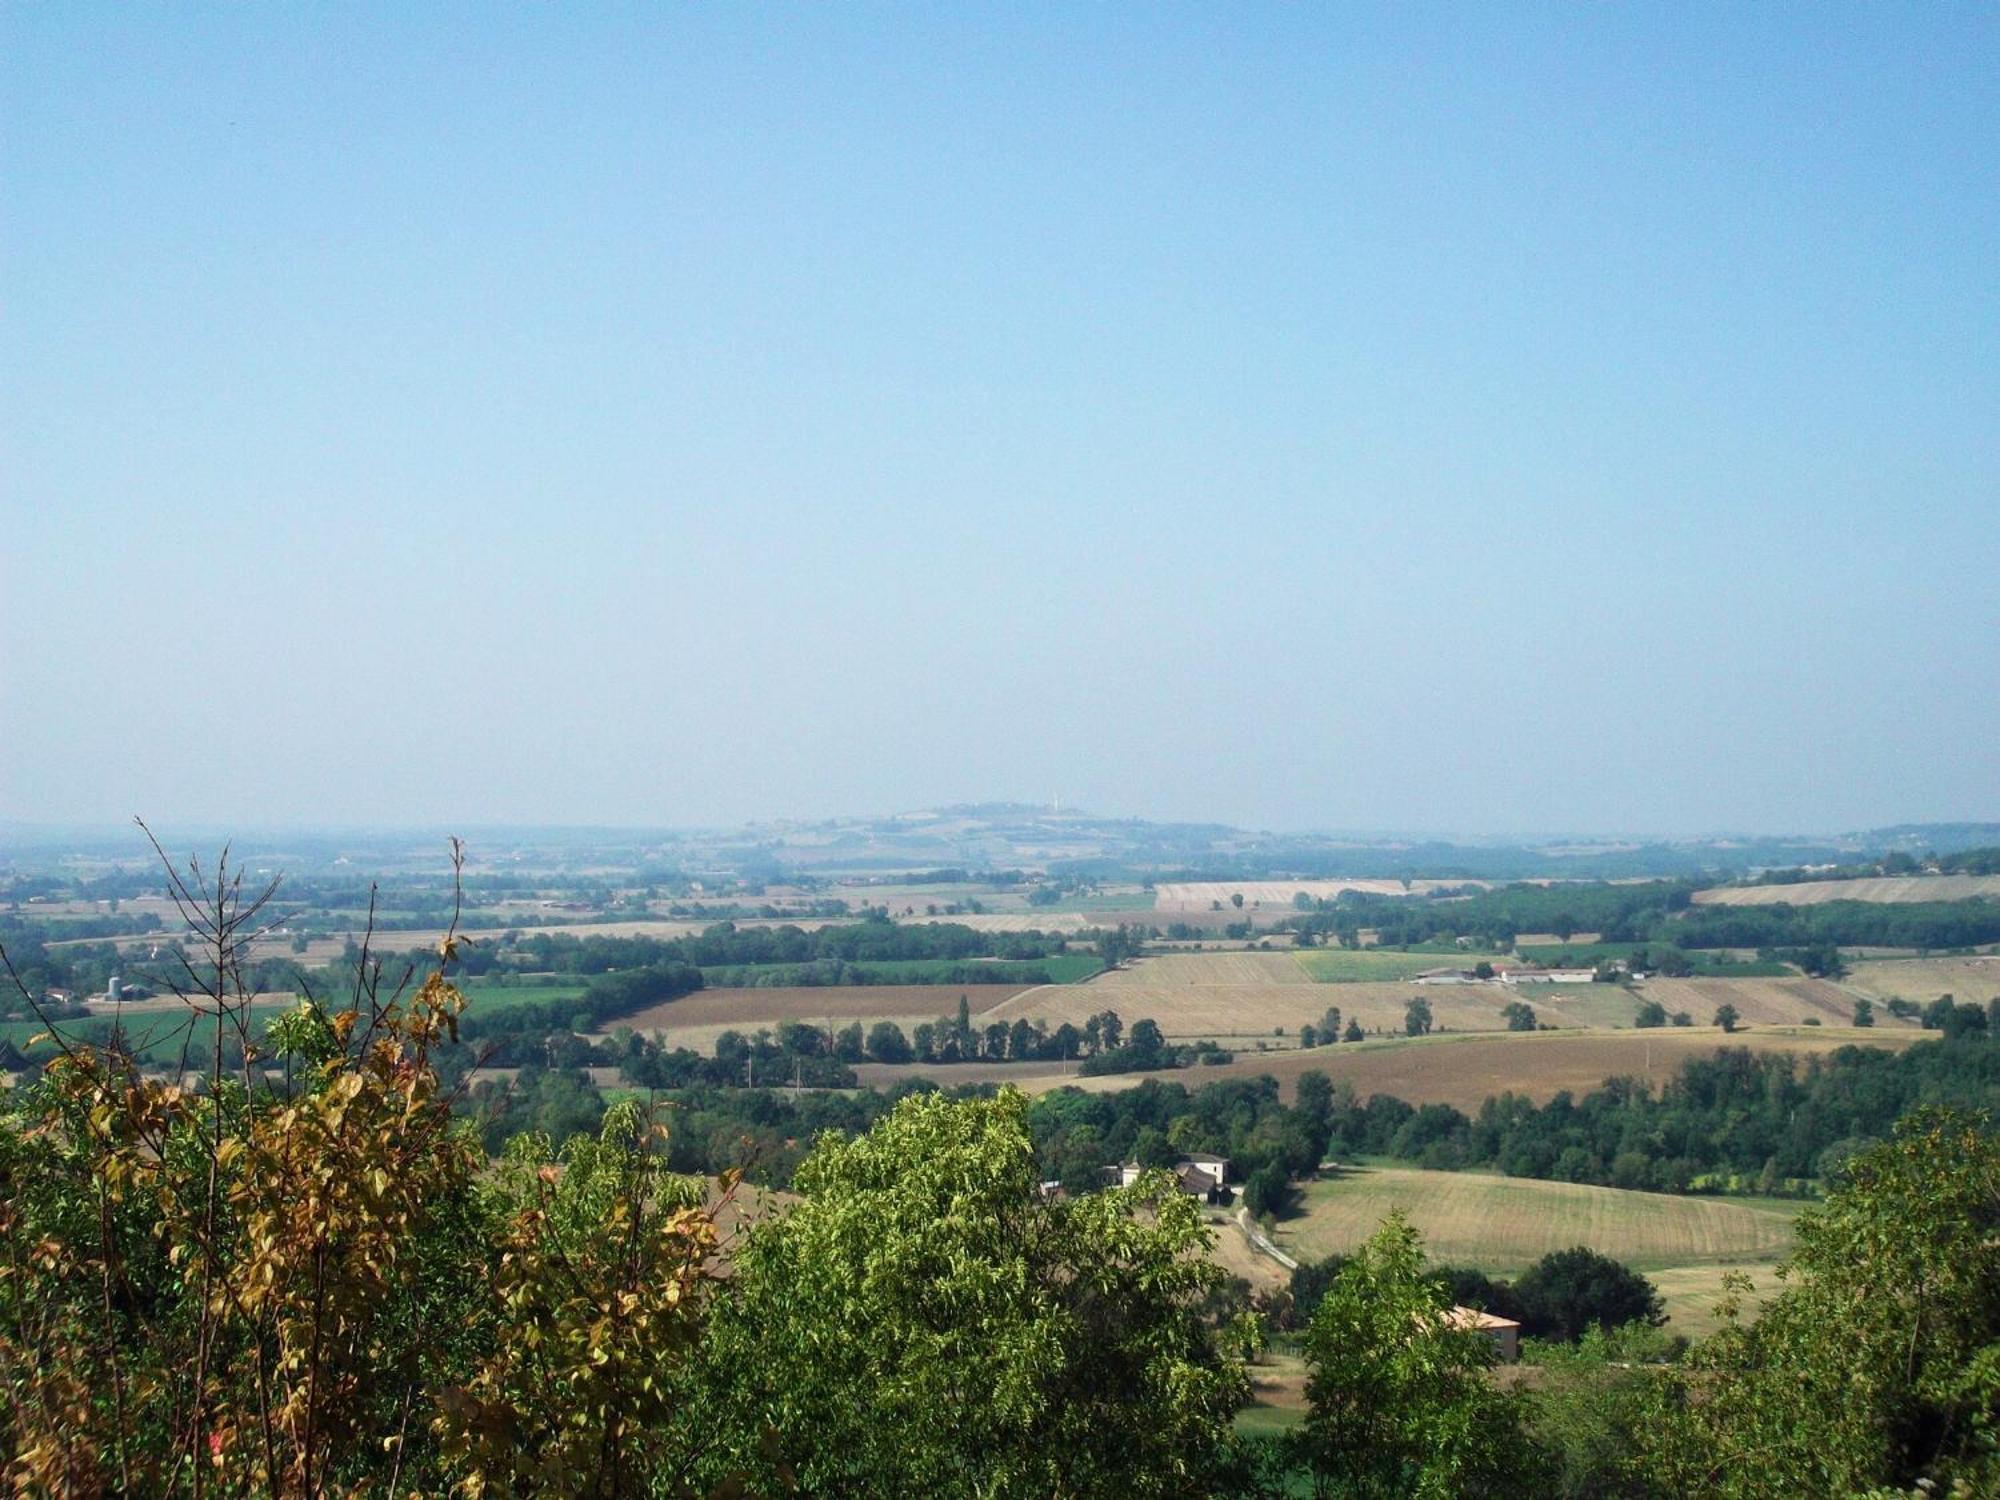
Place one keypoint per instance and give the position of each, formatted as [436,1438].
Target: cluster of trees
[1659,914]
[1738,1121]
[1563,1296]
[1953,1018]
[1101,1044]
[1980,861]
[1328,1030]
[1887,924]
[1735,1121]
[723,945]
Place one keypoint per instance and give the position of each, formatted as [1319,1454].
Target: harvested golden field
[1246,995]
[1038,921]
[750,1008]
[1242,996]
[1760,1002]
[1267,895]
[1973,980]
[1503,1225]
[1171,969]
[1884,888]
[1691,1293]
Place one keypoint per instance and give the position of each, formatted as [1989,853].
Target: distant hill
[1016,836]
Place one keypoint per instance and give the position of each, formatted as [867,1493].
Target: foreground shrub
[1879,1364]
[924,1322]
[311,1282]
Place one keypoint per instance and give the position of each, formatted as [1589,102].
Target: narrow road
[1260,1241]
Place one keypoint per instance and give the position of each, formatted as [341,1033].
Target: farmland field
[1348,966]
[1243,996]
[1760,1002]
[768,1005]
[1201,895]
[1895,888]
[1970,980]
[1690,1294]
[1504,1224]
[1462,1070]
[1057,968]
[1248,995]
[1207,969]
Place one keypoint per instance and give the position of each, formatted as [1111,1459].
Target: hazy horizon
[1447,419]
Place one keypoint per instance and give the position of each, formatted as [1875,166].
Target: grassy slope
[1505,1224]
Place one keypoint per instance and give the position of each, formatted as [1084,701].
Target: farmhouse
[1198,1174]
[1504,1332]
[1548,976]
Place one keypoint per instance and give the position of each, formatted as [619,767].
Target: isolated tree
[1864,1013]
[1353,1033]
[1398,1399]
[923,1323]
[1568,1291]
[1417,1018]
[1518,1015]
[1650,1013]
[1236,900]
[1329,1023]
[1726,1017]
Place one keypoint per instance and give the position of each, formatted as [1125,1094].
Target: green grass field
[1706,965]
[1502,1225]
[1377,965]
[485,997]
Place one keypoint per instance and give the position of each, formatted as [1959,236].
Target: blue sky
[1471,419]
